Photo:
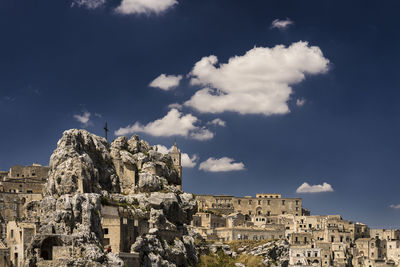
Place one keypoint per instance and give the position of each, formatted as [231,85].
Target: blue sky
[262,96]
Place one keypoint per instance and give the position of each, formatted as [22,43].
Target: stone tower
[176,158]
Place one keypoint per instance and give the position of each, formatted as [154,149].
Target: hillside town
[122,204]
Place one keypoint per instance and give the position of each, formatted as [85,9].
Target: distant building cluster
[314,240]
[18,187]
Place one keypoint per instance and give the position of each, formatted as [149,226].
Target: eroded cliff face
[86,173]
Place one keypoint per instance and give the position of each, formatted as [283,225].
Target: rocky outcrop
[80,163]
[86,173]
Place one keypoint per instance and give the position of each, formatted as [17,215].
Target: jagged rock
[86,173]
[149,182]
[81,162]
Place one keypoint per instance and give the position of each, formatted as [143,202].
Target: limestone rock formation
[80,163]
[87,173]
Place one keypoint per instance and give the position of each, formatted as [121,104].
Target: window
[269,202]
[297,202]
[239,201]
[259,202]
[283,202]
[250,201]
[12,233]
[105,231]
[29,191]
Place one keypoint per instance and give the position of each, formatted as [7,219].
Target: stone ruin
[86,174]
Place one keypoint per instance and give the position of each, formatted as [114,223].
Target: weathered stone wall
[33,171]
[250,205]
[23,185]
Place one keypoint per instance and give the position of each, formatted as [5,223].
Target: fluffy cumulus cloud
[166,82]
[318,188]
[300,102]
[281,24]
[89,4]
[187,161]
[257,82]
[84,118]
[396,207]
[174,123]
[217,122]
[144,6]
[221,165]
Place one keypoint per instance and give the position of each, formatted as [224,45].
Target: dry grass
[221,260]
[236,244]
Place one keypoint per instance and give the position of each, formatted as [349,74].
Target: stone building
[263,205]
[177,160]
[385,234]
[393,251]
[304,256]
[20,179]
[19,236]
[19,186]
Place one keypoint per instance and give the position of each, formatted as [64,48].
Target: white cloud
[84,118]
[217,122]
[307,188]
[175,105]
[144,6]
[255,83]
[202,134]
[221,165]
[396,207]
[166,82]
[187,161]
[281,24]
[300,102]
[174,123]
[89,4]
